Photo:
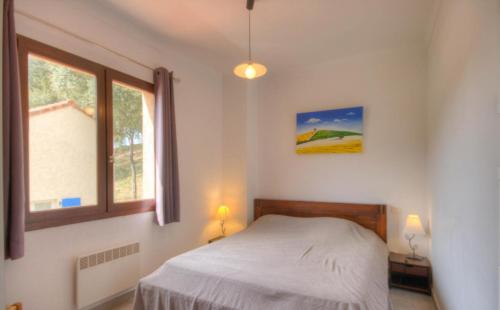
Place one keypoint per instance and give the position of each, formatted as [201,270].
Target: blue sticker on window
[71,202]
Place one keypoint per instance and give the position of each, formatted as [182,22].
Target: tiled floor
[401,300]
[404,300]
[123,306]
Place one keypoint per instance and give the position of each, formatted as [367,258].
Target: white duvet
[279,262]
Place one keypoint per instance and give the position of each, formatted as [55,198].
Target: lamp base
[414,257]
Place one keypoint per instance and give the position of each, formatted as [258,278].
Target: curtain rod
[35,18]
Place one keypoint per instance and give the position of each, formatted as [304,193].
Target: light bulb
[250,72]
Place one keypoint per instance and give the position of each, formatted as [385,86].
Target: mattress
[278,262]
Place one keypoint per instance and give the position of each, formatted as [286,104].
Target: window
[62,133]
[130,141]
[90,138]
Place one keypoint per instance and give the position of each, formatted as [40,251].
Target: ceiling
[286,33]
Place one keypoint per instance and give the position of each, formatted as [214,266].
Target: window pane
[62,135]
[133,143]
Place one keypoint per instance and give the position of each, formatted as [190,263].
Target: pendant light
[250,70]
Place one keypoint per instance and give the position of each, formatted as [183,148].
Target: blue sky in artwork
[350,119]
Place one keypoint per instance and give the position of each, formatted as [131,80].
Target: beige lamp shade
[250,70]
[414,225]
[222,212]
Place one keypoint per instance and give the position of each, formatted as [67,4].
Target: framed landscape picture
[330,131]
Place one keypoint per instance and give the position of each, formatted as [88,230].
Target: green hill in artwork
[326,134]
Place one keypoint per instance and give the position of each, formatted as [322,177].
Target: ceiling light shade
[250,70]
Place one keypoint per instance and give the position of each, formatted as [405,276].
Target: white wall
[239,147]
[463,144]
[44,278]
[235,149]
[391,86]
[253,97]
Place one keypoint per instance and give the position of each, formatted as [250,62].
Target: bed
[295,255]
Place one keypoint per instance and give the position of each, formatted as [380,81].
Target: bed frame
[370,216]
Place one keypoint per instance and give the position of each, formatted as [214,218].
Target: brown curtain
[167,172]
[13,141]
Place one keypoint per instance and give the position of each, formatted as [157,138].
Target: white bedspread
[279,262]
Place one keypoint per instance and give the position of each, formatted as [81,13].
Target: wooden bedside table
[414,275]
[216,239]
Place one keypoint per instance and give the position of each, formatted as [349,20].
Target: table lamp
[413,228]
[222,213]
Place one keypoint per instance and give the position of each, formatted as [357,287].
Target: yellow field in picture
[330,131]
[353,146]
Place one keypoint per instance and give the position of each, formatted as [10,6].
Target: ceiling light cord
[249,69]
[249,37]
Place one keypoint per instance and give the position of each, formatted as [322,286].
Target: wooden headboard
[371,216]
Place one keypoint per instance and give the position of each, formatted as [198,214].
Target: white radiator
[106,273]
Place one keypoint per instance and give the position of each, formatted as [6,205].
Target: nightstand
[414,275]
[216,239]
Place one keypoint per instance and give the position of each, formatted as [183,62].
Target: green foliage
[122,173]
[50,82]
[326,134]
[121,168]
[127,114]
[127,125]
